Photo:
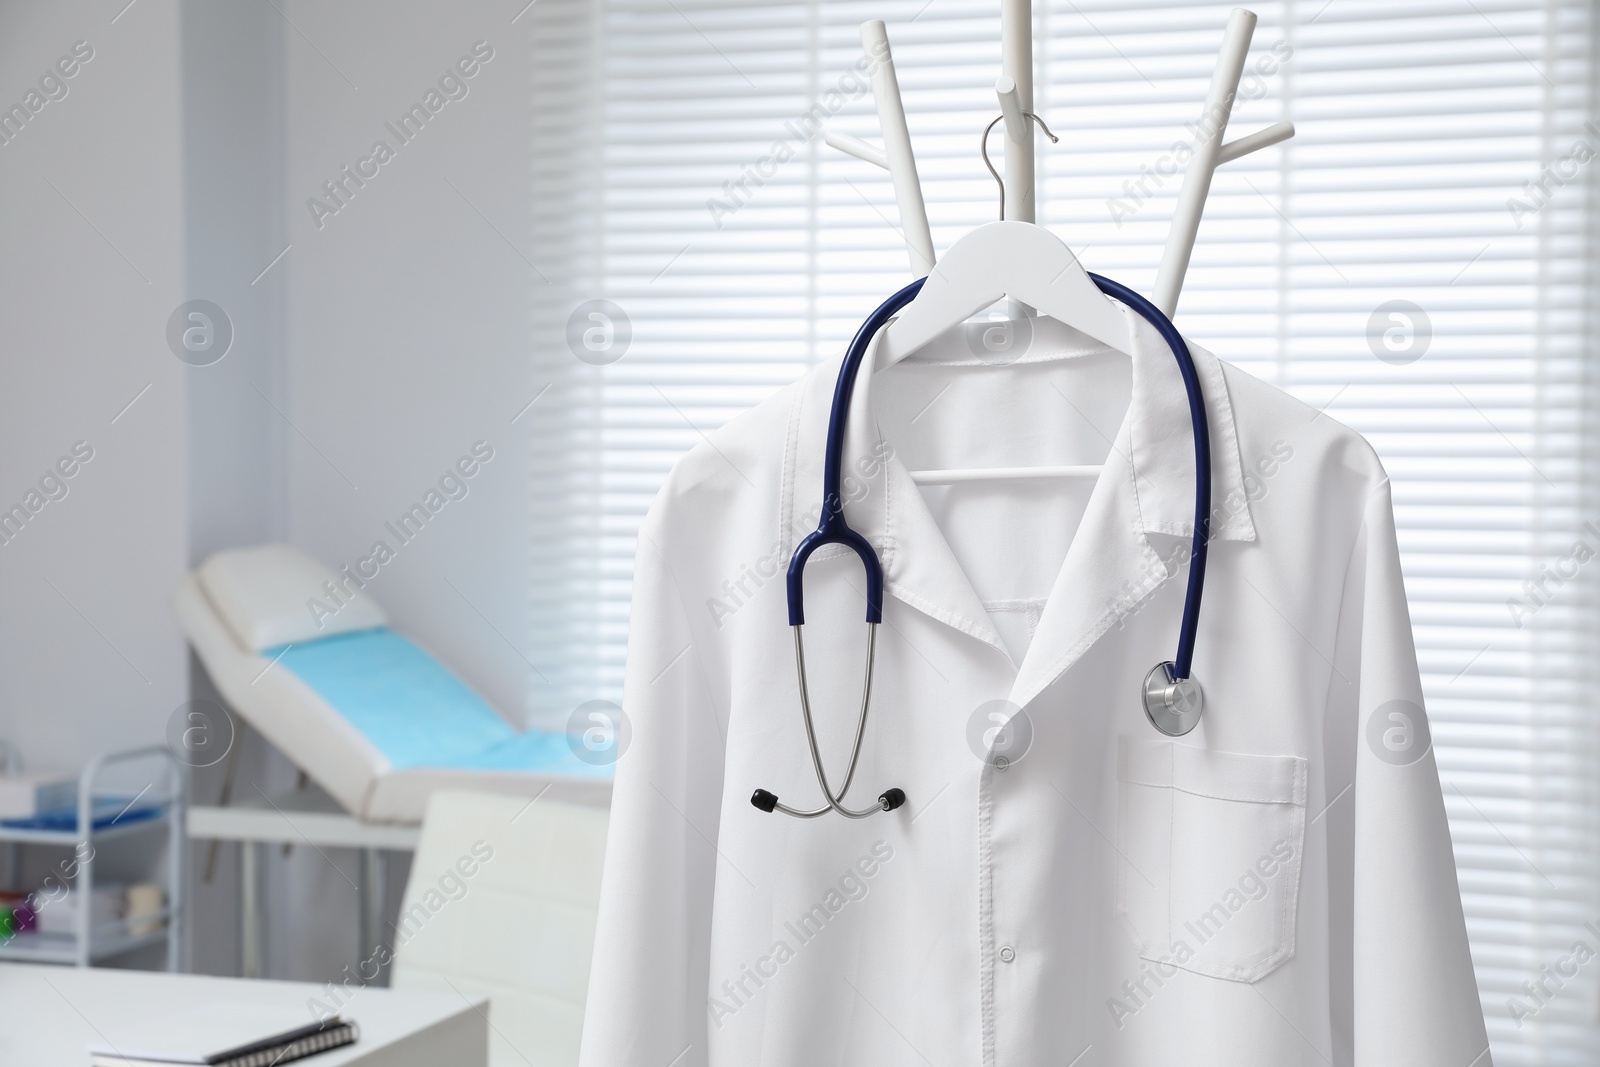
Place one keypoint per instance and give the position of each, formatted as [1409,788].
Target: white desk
[53,1013]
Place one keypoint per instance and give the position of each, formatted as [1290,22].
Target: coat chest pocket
[1211,854]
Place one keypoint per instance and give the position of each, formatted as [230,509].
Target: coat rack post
[1016,63]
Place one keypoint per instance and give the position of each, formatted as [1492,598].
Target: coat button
[1001,763]
[1007,954]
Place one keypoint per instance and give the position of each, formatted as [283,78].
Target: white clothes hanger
[1031,266]
[1000,259]
[1012,258]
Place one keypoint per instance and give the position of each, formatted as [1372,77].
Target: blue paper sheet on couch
[418,714]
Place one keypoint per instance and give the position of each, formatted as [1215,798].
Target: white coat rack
[1014,90]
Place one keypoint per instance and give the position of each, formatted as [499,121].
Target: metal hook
[983,147]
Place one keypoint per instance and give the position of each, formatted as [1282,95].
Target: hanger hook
[983,147]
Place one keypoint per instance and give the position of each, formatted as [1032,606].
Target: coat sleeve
[647,986]
[1414,996]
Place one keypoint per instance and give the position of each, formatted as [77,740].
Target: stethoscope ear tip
[764,800]
[890,799]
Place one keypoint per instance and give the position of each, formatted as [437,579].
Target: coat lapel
[1109,568]
[882,503]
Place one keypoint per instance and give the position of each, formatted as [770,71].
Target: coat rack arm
[902,163]
[1011,107]
[1203,164]
[1254,142]
[855,146]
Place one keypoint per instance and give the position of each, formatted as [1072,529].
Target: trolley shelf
[163,806]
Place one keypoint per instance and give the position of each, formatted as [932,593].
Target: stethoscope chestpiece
[1172,704]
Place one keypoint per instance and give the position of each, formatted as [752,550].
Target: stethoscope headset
[1172,698]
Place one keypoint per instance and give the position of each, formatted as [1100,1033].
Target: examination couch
[367,713]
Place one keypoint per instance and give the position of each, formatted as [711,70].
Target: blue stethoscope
[1172,698]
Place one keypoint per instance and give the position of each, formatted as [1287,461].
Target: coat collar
[1147,488]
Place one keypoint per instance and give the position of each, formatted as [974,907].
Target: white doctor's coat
[1275,888]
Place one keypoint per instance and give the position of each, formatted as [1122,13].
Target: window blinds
[1417,261]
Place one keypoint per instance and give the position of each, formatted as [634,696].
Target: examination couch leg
[250,939]
[374,898]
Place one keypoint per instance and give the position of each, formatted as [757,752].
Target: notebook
[223,1035]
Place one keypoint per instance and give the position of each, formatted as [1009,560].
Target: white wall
[91,266]
[406,318]
[235,224]
[408,314]
[365,362]
[390,339]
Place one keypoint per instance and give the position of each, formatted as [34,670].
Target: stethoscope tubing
[1189,626]
[832,529]
[835,801]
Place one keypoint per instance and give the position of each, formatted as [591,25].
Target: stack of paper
[57,913]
